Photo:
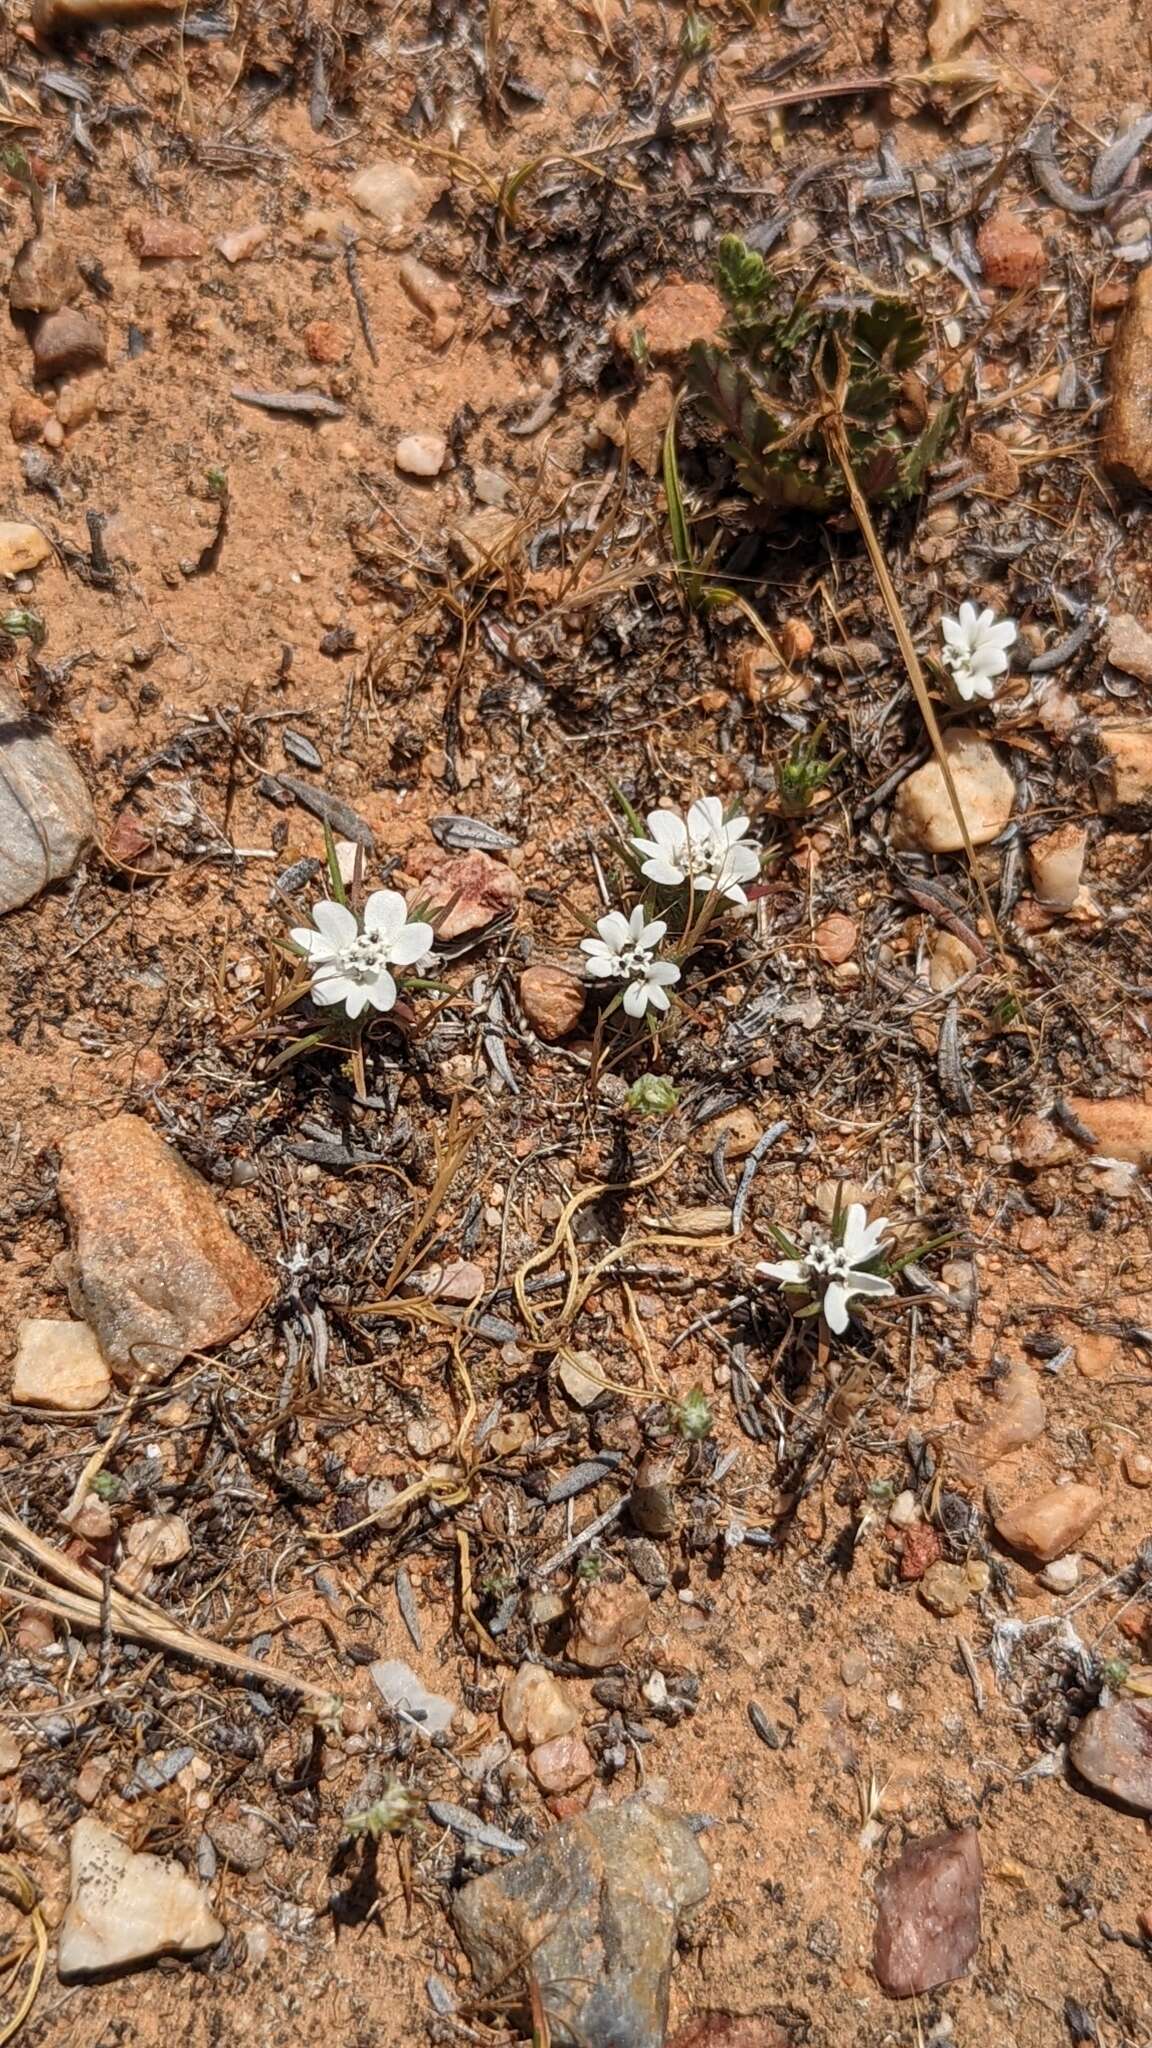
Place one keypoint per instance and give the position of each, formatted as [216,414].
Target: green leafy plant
[652,1095]
[693,1416]
[766,383]
[394,1811]
[802,772]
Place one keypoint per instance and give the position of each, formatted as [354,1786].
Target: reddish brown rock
[164,241]
[928,1929]
[325,342]
[67,341]
[1112,1751]
[610,1617]
[26,417]
[835,938]
[998,463]
[469,890]
[563,1764]
[922,1548]
[1126,445]
[44,276]
[1129,646]
[1049,1523]
[157,1271]
[729,2030]
[552,1001]
[795,640]
[1012,253]
[667,324]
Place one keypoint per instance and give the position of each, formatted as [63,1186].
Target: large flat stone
[593,1914]
[46,814]
[157,1270]
[928,1929]
[1112,1750]
[126,1908]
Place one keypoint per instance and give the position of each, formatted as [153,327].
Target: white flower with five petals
[975,651]
[352,958]
[837,1271]
[626,951]
[704,849]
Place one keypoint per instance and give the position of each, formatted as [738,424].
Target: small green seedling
[802,772]
[693,1416]
[652,1095]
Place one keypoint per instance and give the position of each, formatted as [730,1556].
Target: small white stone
[904,1510]
[1063,1574]
[421,454]
[655,1690]
[126,1908]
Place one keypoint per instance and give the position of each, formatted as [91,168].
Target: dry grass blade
[17,1886]
[67,1588]
[837,440]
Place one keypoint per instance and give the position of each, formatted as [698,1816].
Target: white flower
[626,951]
[351,957]
[701,849]
[837,1270]
[975,651]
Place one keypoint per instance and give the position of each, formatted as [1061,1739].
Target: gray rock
[928,1929]
[238,1846]
[46,814]
[1112,1751]
[407,1695]
[593,1913]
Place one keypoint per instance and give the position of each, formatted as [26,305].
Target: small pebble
[421,454]
[904,1510]
[1063,1574]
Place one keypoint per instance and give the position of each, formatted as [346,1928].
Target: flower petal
[836,1307]
[331,987]
[706,818]
[312,943]
[662,973]
[650,935]
[657,997]
[336,922]
[615,930]
[356,999]
[385,913]
[967,619]
[382,992]
[636,998]
[668,830]
[789,1272]
[666,873]
[869,1283]
[410,944]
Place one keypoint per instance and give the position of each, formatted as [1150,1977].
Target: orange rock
[835,938]
[1012,253]
[470,890]
[325,342]
[1128,754]
[552,1001]
[26,417]
[164,241]
[1126,444]
[1121,1127]
[1049,1523]
[795,640]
